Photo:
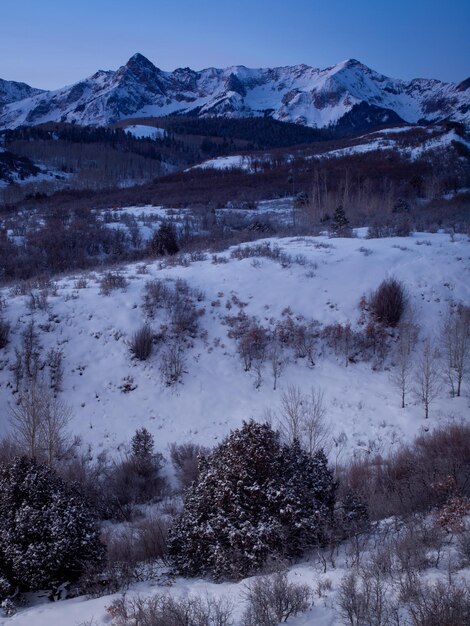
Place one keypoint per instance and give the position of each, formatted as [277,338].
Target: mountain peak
[351,64]
[300,94]
[138,60]
[464,85]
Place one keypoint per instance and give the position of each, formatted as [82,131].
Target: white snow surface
[94,612]
[216,394]
[235,161]
[148,132]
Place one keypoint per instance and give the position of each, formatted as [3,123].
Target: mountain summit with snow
[300,94]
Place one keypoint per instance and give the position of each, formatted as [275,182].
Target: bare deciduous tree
[302,418]
[400,377]
[455,343]
[39,422]
[185,459]
[427,376]
[277,360]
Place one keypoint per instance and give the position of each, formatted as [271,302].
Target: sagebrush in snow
[273,599]
[388,302]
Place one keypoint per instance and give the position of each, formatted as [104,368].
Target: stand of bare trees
[39,423]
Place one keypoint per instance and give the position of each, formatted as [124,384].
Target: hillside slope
[111,394]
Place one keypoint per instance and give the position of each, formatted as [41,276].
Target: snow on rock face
[299,94]
[11,91]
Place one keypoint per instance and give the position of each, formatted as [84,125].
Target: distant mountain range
[348,94]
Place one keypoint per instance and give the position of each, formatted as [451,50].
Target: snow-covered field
[236,161]
[216,394]
[145,132]
[324,583]
[384,140]
[323,281]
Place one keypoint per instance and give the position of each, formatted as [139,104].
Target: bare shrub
[351,343]
[273,599]
[28,364]
[54,361]
[152,538]
[300,337]
[167,611]
[81,283]
[463,545]
[388,302]
[121,558]
[185,459]
[141,343]
[410,552]
[262,250]
[156,295]
[409,479]
[177,298]
[8,450]
[4,333]
[439,604]
[135,544]
[252,343]
[172,364]
[111,281]
[362,599]
[184,315]
[38,301]
[137,478]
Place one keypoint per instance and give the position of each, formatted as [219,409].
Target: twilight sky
[52,43]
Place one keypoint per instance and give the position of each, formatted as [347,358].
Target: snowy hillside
[401,140]
[111,394]
[90,318]
[300,94]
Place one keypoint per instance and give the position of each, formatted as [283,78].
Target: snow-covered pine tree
[47,532]
[340,226]
[142,444]
[255,499]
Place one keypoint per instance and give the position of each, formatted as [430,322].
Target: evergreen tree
[137,478]
[340,223]
[255,499]
[165,240]
[353,516]
[47,532]
[142,446]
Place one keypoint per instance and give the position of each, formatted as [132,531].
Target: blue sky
[52,43]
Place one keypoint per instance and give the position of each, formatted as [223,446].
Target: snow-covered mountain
[299,93]
[11,91]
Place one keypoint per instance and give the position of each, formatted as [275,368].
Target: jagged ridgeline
[301,94]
